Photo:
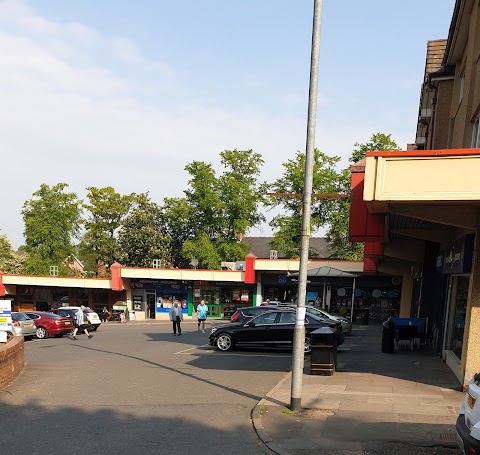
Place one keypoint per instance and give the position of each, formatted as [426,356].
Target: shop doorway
[151,306]
[212,300]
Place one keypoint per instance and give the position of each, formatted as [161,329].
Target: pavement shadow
[361,353]
[56,430]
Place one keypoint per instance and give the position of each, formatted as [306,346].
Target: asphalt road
[136,389]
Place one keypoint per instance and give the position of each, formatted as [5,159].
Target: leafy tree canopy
[142,238]
[106,212]
[217,208]
[10,262]
[379,142]
[52,221]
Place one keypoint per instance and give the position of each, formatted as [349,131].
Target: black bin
[388,337]
[323,358]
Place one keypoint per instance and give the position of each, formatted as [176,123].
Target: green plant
[261,410]
[288,412]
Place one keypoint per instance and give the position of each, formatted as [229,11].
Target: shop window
[25,294]
[100,299]
[456,321]
[476,133]
[80,297]
[60,297]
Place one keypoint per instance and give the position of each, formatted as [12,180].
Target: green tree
[203,250]
[107,210]
[216,208]
[339,245]
[287,236]
[52,221]
[379,142]
[240,191]
[142,238]
[178,225]
[10,262]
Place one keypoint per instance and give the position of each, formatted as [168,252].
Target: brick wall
[12,361]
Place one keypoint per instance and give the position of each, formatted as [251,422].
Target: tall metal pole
[299,333]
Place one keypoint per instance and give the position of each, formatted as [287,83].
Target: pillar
[406,297]
[471,336]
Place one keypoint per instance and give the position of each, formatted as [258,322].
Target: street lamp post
[299,333]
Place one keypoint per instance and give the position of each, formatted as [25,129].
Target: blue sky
[122,93]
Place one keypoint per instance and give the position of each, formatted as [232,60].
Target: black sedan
[273,329]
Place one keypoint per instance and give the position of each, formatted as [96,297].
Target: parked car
[92,317]
[49,324]
[273,328]
[468,422]
[22,325]
[346,324]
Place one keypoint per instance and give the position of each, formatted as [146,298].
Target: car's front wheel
[94,328]
[308,347]
[224,342]
[42,333]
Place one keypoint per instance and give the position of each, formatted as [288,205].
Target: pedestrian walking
[81,322]
[202,311]
[122,317]
[104,314]
[176,316]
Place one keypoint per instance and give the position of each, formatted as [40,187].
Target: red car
[49,324]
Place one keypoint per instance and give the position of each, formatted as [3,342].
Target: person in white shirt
[176,316]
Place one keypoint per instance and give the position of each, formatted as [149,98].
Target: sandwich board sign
[5,319]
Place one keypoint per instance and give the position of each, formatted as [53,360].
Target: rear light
[235,316]
[472,451]
[16,324]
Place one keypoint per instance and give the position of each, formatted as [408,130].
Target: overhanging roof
[328,272]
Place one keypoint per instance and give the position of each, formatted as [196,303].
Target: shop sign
[244,297]
[150,284]
[5,316]
[458,255]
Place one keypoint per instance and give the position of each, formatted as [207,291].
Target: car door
[284,329]
[257,331]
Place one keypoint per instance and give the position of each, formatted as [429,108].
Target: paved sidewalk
[376,403]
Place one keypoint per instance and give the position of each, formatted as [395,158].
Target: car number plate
[27,325]
[471,401]
[67,323]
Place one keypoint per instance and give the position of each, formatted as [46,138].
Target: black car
[273,328]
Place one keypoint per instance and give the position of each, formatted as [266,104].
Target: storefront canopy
[327,272]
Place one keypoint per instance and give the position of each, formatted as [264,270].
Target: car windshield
[88,310]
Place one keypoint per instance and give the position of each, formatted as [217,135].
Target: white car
[346,323]
[92,317]
[468,422]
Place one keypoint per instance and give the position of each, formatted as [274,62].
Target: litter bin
[323,356]
[388,337]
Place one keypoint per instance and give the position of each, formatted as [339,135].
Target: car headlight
[213,331]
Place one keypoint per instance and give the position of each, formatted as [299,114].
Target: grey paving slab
[380,403]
